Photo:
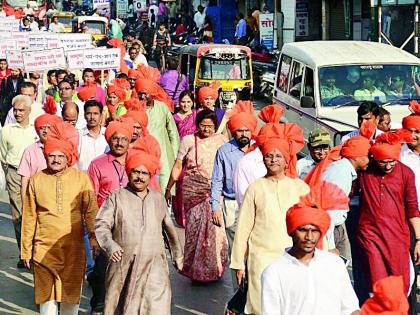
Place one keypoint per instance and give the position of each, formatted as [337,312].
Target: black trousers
[96,281]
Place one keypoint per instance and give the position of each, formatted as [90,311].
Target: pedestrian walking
[130,228]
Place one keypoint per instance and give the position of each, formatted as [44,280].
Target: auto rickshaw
[229,65]
[65,18]
[97,26]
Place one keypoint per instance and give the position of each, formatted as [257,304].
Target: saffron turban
[355,147]
[412,121]
[45,119]
[134,104]
[139,117]
[155,91]
[388,145]
[122,83]
[87,92]
[242,115]
[63,146]
[116,42]
[50,107]
[299,215]
[120,127]
[119,92]
[389,298]
[148,73]
[205,92]
[133,74]
[143,154]
[64,132]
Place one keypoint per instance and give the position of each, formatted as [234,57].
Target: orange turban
[412,121]
[388,145]
[63,146]
[155,91]
[135,104]
[242,115]
[300,215]
[87,92]
[355,147]
[133,74]
[139,117]
[389,298]
[119,92]
[50,107]
[120,127]
[64,132]
[148,73]
[122,83]
[143,154]
[46,119]
[205,92]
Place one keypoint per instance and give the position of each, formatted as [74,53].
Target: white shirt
[36,111]
[56,28]
[323,287]
[304,166]
[81,122]
[199,19]
[90,148]
[2,14]
[248,169]
[412,160]
[357,133]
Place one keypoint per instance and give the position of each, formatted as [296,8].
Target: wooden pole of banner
[102,78]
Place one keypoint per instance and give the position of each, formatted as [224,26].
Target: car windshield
[65,20]
[344,85]
[95,27]
[216,69]
[22,3]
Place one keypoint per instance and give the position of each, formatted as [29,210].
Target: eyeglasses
[320,149]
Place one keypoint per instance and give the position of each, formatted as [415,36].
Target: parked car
[321,83]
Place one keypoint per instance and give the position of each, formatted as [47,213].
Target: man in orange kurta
[58,201]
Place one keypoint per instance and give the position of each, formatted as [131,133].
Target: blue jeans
[90,263]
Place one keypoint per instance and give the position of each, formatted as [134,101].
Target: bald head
[70,113]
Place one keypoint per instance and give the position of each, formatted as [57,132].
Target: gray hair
[22,99]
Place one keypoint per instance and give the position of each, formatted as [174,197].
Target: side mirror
[307,102]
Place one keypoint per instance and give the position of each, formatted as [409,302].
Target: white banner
[38,41]
[21,38]
[267,30]
[103,6]
[14,59]
[6,45]
[40,60]
[102,59]
[75,41]
[9,25]
[75,59]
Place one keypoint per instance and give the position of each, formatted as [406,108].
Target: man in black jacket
[9,89]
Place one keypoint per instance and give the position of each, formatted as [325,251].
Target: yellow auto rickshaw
[97,26]
[229,65]
[65,18]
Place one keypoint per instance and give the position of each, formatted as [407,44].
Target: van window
[296,79]
[309,82]
[283,78]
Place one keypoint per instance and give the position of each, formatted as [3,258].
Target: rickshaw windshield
[216,69]
[95,27]
[66,20]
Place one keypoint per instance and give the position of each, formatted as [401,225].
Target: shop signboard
[267,30]
[122,9]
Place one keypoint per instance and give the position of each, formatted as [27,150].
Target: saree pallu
[205,253]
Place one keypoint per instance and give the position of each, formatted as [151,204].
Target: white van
[321,83]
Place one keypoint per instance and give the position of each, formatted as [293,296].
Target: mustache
[139,180]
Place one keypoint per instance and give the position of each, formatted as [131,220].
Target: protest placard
[40,60]
[6,45]
[53,43]
[9,25]
[14,59]
[74,41]
[103,7]
[102,59]
[38,41]
[75,59]
[21,39]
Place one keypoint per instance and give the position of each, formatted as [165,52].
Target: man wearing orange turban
[262,216]
[150,91]
[88,77]
[207,97]
[58,202]
[388,208]
[410,152]
[140,214]
[242,124]
[107,173]
[161,126]
[285,288]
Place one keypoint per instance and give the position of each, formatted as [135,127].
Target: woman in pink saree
[185,122]
[205,253]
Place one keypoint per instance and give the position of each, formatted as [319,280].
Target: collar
[234,145]
[111,158]
[296,261]
[85,131]
[15,124]
[405,150]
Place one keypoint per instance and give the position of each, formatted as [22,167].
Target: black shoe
[20,264]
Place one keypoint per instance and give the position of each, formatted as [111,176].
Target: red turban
[357,146]
[148,73]
[388,145]
[367,129]
[120,127]
[50,107]
[64,132]
[87,92]
[389,298]
[46,119]
[119,92]
[122,83]
[63,146]
[155,91]
[205,92]
[412,121]
[242,115]
[139,117]
[135,104]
